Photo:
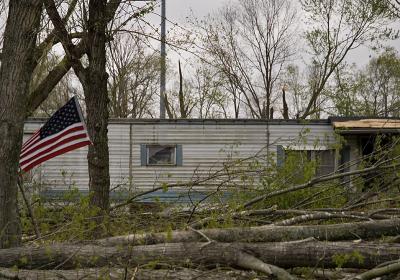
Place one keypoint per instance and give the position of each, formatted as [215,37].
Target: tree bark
[94,82]
[282,254]
[182,106]
[15,74]
[285,112]
[120,273]
[44,88]
[269,233]
[379,271]
[96,97]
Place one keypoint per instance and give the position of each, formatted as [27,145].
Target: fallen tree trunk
[121,273]
[379,271]
[282,254]
[327,274]
[268,233]
[274,213]
[317,216]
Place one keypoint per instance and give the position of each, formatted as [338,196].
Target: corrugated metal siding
[205,147]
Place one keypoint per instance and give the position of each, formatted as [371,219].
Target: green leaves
[164,187]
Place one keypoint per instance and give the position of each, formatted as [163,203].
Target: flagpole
[163,53]
[35,225]
[78,106]
[163,61]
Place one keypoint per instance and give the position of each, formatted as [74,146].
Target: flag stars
[63,118]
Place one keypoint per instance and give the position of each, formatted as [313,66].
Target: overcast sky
[179,10]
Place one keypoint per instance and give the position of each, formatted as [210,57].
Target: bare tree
[180,103]
[212,102]
[295,91]
[337,27]
[93,78]
[25,58]
[198,93]
[21,22]
[134,77]
[249,43]
[94,81]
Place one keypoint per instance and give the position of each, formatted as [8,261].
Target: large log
[281,254]
[379,271]
[121,273]
[269,233]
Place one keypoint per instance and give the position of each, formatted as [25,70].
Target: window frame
[311,152]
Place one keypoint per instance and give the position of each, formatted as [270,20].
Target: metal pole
[163,62]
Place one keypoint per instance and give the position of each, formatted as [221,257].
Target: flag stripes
[34,137]
[64,132]
[47,149]
[55,153]
[40,143]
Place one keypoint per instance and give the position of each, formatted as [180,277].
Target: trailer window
[326,162]
[161,155]
[325,159]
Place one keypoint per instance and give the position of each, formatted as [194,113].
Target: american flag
[63,132]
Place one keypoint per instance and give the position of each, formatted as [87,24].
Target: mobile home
[147,153]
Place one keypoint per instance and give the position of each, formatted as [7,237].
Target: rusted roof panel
[368,123]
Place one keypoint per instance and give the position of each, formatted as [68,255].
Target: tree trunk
[120,273]
[285,112]
[304,253]
[332,232]
[181,95]
[96,97]
[94,82]
[15,74]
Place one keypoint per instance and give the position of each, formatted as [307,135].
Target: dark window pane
[161,155]
[326,162]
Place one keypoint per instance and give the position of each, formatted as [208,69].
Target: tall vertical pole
[163,62]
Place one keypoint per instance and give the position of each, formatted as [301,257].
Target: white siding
[205,146]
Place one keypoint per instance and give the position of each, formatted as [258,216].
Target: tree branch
[318,180]
[62,34]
